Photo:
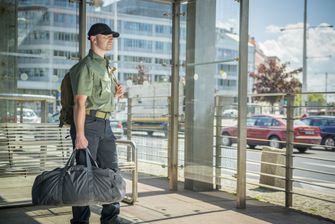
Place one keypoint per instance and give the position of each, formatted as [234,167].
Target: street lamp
[304,58]
[304,52]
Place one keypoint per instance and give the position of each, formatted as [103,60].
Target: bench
[29,149]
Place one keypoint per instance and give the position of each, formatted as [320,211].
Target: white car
[230,113]
[28,116]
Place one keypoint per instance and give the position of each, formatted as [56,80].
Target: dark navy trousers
[101,143]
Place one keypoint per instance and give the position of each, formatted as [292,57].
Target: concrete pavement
[157,205]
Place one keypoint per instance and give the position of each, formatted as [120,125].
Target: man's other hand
[119,91]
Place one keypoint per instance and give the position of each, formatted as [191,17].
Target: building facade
[47,44]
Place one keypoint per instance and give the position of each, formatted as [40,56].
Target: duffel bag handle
[89,159]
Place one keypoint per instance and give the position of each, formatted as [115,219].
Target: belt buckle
[101,114]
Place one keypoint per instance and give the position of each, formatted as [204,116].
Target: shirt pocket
[106,87]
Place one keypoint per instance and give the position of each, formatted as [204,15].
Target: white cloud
[228,24]
[272,29]
[287,45]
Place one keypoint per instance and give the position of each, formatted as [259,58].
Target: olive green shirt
[90,77]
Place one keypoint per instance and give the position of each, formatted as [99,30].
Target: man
[94,89]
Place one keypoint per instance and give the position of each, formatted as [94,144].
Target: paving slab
[158,205]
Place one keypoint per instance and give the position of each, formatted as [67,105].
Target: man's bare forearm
[79,120]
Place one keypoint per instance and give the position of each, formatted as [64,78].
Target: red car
[271,130]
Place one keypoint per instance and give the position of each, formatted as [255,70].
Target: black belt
[98,114]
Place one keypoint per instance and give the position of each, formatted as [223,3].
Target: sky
[267,17]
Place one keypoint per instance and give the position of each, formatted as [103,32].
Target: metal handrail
[10,144]
[288,155]
[132,145]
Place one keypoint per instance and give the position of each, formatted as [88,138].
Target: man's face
[104,42]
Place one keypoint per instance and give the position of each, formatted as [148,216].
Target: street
[319,169]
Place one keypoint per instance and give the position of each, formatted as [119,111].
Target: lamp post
[304,53]
[304,58]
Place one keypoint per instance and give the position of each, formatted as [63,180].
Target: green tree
[141,76]
[273,78]
[317,98]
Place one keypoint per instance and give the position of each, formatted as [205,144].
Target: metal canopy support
[174,104]
[242,105]
[82,29]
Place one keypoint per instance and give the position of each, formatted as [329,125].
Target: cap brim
[115,34]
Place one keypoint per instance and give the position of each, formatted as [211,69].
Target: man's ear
[92,39]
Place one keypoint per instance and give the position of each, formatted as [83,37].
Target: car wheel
[329,142]
[274,142]
[226,141]
[252,146]
[302,150]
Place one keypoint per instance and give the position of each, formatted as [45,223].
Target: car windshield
[298,122]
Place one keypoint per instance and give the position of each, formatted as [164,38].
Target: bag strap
[89,159]
[70,161]
[89,155]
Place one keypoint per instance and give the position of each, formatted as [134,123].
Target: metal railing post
[129,126]
[289,150]
[218,151]
[132,146]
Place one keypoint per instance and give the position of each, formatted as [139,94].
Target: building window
[61,36]
[128,76]
[227,82]
[136,59]
[227,53]
[159,46]
[131,44]
[162,61]
[163,30]
[60,73]
[162,78]
[69,19]
[38,35]
[66,54]
[138,27]
[93,20]
[228,68]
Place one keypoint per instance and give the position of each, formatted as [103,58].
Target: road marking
[318,164]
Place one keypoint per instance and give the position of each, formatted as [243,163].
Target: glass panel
[142,55]
[39,45]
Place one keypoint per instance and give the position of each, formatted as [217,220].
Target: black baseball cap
[101,28]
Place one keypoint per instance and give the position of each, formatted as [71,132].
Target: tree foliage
[141,76]
[317,98]
[273,78]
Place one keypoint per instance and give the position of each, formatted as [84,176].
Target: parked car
[28,116]
[327,127]
[149,125]
[230,113]
[270,130]
[117,128]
